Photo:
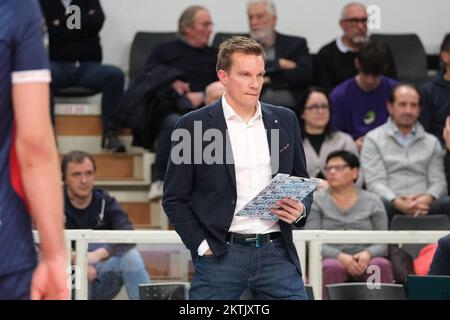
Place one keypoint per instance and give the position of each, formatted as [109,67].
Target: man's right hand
[91,272]
[208,253]
[286,64]
[446,133]
[49,280]
[180,87]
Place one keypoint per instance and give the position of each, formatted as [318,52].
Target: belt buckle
[256,238]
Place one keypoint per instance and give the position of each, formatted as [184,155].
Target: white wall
[316,20]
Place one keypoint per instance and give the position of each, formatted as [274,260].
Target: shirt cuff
[301,216]
[202,248]
[31,76]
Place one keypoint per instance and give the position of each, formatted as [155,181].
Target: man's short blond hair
[237,44]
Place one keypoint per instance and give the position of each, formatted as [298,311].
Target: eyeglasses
[338,168]
[356,20]
[317,107]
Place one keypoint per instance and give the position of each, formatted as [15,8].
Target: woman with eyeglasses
[319,139]
[344,207]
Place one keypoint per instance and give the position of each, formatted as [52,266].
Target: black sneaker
[111,142]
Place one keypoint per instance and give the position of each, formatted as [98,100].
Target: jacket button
[233,202]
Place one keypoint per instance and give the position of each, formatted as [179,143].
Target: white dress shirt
[252,168]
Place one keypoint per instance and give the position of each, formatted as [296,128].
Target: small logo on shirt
[370,117]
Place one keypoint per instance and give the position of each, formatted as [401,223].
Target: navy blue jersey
[22,60]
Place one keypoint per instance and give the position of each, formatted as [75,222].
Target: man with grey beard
[335,62]
[289,67]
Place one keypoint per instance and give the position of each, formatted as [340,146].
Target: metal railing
[313,238]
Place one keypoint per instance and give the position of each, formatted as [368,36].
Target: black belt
[250,239]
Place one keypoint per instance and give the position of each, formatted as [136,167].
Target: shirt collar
[397,130]
[66,3]
[230,114]
[341,46]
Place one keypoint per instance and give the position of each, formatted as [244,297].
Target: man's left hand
[288,210]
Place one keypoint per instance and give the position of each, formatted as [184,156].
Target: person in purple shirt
[359,103]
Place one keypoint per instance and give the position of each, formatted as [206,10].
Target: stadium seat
[361,291]
[164,291]
[219,37]
[431,222]
[141,48]
[409,56]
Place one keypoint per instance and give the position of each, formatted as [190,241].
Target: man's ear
[223,77]
[390,107]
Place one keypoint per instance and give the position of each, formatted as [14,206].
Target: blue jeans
[267,271]
[93,75]
[112,273]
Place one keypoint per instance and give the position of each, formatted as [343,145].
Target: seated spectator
[402,163]
[319,139]
[86,207]
[193,65]
[446,135]
[344,207]
[441,260]
[359,103]
[436,96]
[289,67]
[76,57]
[335,62]
[213,92]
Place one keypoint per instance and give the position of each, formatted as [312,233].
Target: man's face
[445,56]
[406,109]
[261,23]
[354,24]
[243,82]
[80,179]
[198,33]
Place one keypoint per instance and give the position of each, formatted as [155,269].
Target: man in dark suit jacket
[441,260]
[289,67]
[232,253]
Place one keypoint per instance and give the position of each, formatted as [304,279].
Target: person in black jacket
[436,96]
[76,55]
[86,207]
[289,67]
[192,62]
[441,260]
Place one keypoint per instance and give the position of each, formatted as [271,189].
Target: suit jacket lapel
[271,122]
[217,121]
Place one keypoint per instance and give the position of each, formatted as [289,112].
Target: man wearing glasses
[335,62]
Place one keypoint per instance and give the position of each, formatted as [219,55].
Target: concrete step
[145,214]
[139,213]
[82,125]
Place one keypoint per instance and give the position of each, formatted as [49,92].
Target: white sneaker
[156,190]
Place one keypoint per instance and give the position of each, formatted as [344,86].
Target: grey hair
[347,6]
[270,6]
[187,18]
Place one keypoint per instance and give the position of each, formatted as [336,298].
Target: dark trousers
[93,75]
[163,149]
